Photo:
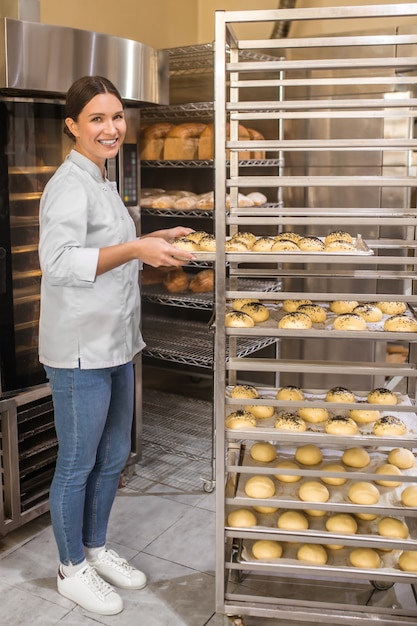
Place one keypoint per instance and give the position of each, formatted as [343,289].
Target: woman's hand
[157,252]
[170,233]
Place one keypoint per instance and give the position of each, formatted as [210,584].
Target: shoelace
[95,582]
[114,560]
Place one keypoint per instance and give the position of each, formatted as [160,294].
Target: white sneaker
[91,592]
[117,570]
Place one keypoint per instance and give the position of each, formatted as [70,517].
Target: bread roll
[387,468]
[260,487]
[182,243]
[340,425]
[295,320]
[288,236]
[313,491]
[206,142]
[263,244]
[339,394]
[369,312]
[238,303]
[165,201]
[409,496]
[248,237]
[392,308]
[266,549]
[244,391]
[263,451]
[339,246]
[401,324]
[364,416]
[186,203]
[240,420]
[366,558]
[403,458]
[381,395]
[311,244]
[207,243]
[181,142]
[287,478]
[237,319]
[292,520]
[290,306]
[389,425]
[290,421]
[356,457]
[342,306]
[363,492]
[261,411]
[152,275]
[258,198]
[309,454]
[205,201]
[241,518]
[176,280]
[151,143]
[312,553]
[290,392]
[407,561]
[393,528]
[197,235]
[285,245]
[313,415]
[316,313]
[237,245]
[202,282]
[333,480]
[257,311]
[338,235]
[349,321]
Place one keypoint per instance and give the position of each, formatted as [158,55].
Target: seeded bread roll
[266,549]
[401,324]
[339,394]
[311,244]
[288,236]
[393,528]
[196,235]
[387,468]
[356,457]
[290,392]
[364,416]
[316,313]
[287,478]
[242,518]
[290,306]
[237,245]
[342,306]
[295,320]
[260,411]
[369,312]
[292,520]
[309,454]
[207,243]
[349,321]
[257,311]
[407,561]
[339,246]
[313,415]
[403,458]
[389,425]
[250,238]
[392,308]
[381,395]
[312,553]
[338,235]
[244,391]
[366,558]
[363,492]
[409,496]
[285,245]
[183,243]
[290,421]
[340,425]
[260,487]
[263,451]
[238,303]
[238,319]
[333,480]
[240,419]
[263,244]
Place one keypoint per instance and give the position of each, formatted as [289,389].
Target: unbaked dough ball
[370,312]
[292,520]
[409,496]
[349,321]
[356,457]
[340,394]
[290,306]
[387,468]
[366,558]
[342,524]
[381,395]
[407,561]
[265,510]
[260,486]
[333,480]
[290,421]
[313,415]
[244,391]
[403,458]
[316,313]
[393,528]
[368,517]
[295,320]
[340,425]
[389,425]
[241,518]
[392,308]
[263,451]
[313,491]
[309,454]
[238,319]
[238,303]
[342,306]
[364,416]
[312,553]
[261,411]
[266,549]
[290,392]
[257,311]
[363,493]
[400,324]
[287,478]
[240,420]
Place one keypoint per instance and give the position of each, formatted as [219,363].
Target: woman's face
[100,128]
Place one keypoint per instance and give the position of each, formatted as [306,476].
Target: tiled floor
[164,523]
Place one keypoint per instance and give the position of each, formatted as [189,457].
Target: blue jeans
[93,420]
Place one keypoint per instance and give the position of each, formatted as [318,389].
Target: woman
[89,334]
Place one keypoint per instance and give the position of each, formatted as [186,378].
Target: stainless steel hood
[40,58]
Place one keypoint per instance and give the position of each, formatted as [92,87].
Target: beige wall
[172,23]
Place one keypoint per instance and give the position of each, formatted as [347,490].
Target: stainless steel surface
[41,58]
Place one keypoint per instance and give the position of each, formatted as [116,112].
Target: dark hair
[81,92]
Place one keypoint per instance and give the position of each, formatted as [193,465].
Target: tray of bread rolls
[337,315]
[375,416]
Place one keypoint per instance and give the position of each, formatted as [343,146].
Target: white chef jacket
[85,321]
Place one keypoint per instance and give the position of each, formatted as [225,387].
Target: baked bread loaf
[257,198]
[151,143]
[152,275]
[401,324]
[165,201]
[176,280]
[186,203]
[295,320]
[342,306]
[240,420]
[238,319]
[206,142]
[287,478]
[309,454]
[340,425]
[205,201]
[181,141]
[339,394]
[403,458]
[349,321]
[290,421]
[290,392]
[255,135]
[389,425]
[202,282]
[381,395]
